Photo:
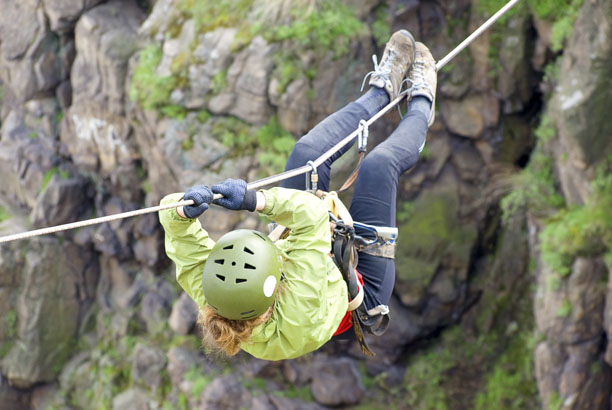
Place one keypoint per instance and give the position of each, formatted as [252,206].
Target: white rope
[274,178]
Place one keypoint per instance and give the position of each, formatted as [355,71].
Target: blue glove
[236,196]
[201,195]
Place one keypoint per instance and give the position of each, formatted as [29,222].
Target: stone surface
[184,315]
[47,310]
[470,116]
[148,362]
[94,129]
[183,359]
[337,382]
[62,201]
[133,399]
[30,63]
[225,392]
[581,293]
[579,114]
[64,13]
[246,96]
[156,305]
[12,398]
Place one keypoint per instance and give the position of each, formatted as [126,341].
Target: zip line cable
[278,177]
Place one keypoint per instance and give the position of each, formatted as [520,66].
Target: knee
[300,155]
[379,161]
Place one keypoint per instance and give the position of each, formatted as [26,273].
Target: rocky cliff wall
[109,105]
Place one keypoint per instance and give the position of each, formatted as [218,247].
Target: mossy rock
[431,239]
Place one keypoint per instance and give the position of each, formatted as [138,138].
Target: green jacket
[315,298]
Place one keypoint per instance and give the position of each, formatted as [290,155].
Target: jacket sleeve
[302,212]
[188,246]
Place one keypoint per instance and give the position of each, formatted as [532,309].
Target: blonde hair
[226,335]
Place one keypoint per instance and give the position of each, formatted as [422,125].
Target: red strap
[346,322]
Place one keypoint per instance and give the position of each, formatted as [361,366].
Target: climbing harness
[310,167]
[346,244]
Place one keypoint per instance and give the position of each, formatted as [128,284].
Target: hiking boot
[423,77]
[396,60]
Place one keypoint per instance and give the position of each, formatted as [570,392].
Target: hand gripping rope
[312,165]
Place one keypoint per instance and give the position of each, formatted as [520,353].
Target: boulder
[47,310]
[225,392]
[25,159]
[31,62]
[148,362]
[434,246]
[184,315]
[183,359]
[470,116]
[94,128]
[516,80]
[156,305]
[63,200]
[63,14]
[337,382]
[573,313]
[246,94]
[579,106]
[134,399]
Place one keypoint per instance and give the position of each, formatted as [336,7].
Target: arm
[303,213]
[188,246]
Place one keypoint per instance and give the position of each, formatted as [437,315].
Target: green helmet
[241,274]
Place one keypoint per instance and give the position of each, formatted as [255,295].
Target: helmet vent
[221,277]
[247,250]
[240,280]
[247,266]
[220,261]
[246,313]
[228,247]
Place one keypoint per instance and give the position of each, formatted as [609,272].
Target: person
[280,300]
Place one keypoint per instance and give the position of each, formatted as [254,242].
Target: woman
[284,299]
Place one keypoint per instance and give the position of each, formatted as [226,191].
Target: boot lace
[379,71]
[416,80]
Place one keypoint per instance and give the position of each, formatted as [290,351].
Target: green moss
[555,401]
[328,27]
[4,215]
[534,188]
[275,144]
[6,347]
[565,309]
[288,68]
[151,91]
[219,82]
[511,384]
[33,135]
[10,324]
[174,111]
[187,145]
[270,143]
[424,379]
[203,116]
[554,282]
[381,29]
[302,393]
[564,22]
[580,231]
[50,174]
[546,130]
[198,382]
[210,15]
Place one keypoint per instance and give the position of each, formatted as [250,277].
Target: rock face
[574,317]
[50,286]
[108,105]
